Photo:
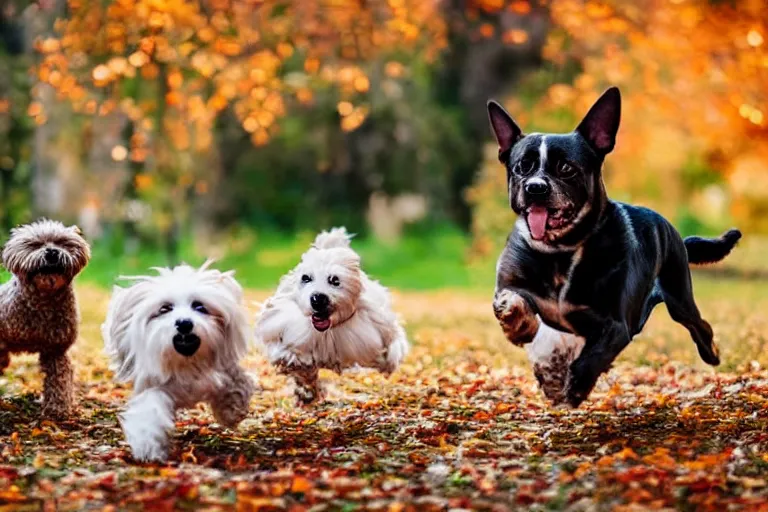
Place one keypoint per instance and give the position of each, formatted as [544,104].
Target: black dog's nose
[51,255]
[536,187]
[184,325]
[319,301]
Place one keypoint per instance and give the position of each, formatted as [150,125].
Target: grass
[460,425]
[435,260]
[432,260]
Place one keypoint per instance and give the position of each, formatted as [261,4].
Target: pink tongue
[537,221]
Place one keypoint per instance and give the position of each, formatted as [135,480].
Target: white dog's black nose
[536,187]
[51,255]
[184,325]
[186,344]
[319,302]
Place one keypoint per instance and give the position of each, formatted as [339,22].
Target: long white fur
[140,345]
[364,332]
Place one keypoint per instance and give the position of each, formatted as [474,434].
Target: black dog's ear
[601,123]
[504,128]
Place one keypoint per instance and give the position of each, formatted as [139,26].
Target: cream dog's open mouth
[321,323]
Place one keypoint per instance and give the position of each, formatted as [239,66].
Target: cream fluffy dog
[179,337]
[327,313]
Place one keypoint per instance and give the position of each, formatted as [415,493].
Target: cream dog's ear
[115,332]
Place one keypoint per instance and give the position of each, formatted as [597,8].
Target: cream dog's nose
[319,301]
[184,325]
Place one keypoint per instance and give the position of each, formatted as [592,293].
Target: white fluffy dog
[327,313]
[179,337]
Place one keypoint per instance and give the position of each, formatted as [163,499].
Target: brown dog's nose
[51,255]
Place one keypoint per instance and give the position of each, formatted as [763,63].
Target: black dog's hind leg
[653,300]
[676,288]
[605,341]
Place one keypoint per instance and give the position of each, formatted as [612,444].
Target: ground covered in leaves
[460,426]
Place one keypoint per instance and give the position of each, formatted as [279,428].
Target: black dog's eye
[566,170]
[165,308]
[524,167]
[199,307]
[334,281]
[306,279]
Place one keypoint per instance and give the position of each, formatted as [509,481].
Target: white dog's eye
[306,279]
[199,307]
[165,308]
[334,281]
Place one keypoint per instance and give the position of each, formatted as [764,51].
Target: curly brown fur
[38,308]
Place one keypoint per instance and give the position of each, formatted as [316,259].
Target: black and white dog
[580,274]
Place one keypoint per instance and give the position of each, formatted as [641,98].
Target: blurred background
[173,130]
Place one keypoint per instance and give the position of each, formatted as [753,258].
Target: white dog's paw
[396,352]
[146,424]
[231,405]
[148,449]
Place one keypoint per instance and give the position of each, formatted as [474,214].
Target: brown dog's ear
[601,123]
[504,128]
[76,229]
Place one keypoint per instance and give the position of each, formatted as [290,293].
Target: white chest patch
[551,353]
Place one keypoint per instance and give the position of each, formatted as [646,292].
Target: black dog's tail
[711,250]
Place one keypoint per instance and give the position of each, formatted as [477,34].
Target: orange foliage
[200,58]
[694,76]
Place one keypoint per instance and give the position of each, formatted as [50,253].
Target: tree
[173,67]
[693,76]
[15,125]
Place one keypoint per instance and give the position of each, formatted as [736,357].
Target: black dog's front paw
[517,319]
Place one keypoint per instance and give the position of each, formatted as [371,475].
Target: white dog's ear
[116,333]
[238,333]
[231,285]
